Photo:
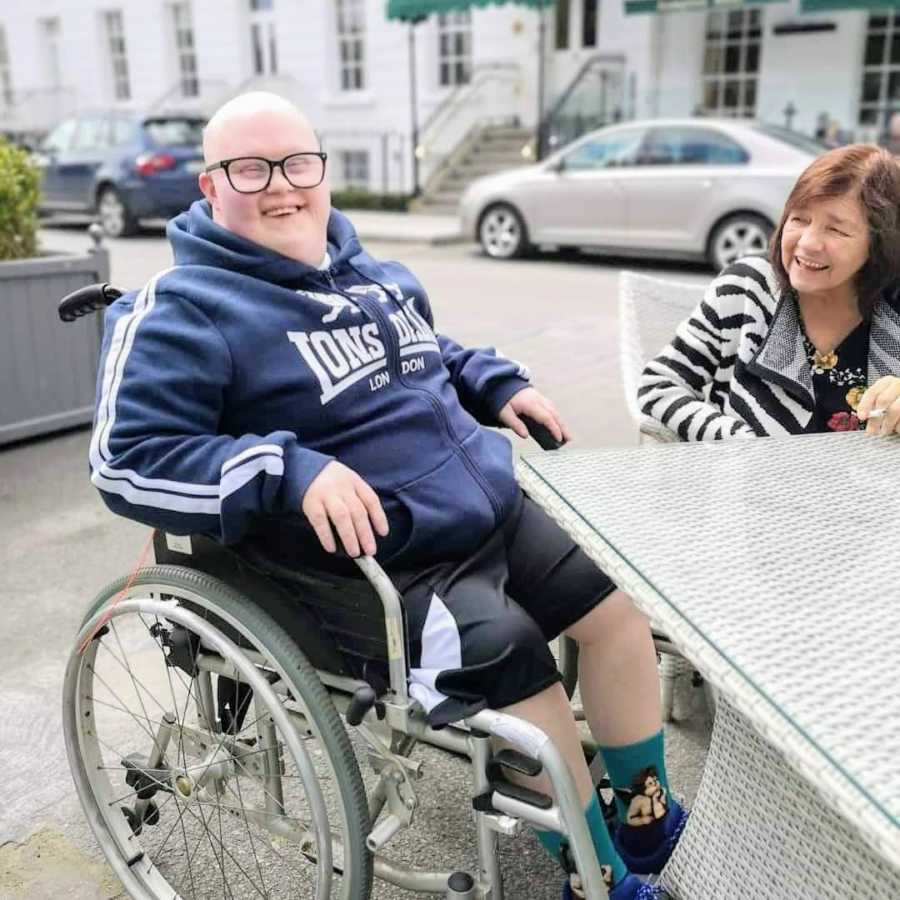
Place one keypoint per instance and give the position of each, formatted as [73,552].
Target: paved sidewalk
[414,228]
[370,225]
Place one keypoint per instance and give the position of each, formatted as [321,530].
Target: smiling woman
[807,340]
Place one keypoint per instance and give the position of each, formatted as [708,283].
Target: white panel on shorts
[441,649]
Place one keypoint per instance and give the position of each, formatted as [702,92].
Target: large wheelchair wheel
[206,753]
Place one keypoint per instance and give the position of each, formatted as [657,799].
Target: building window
[351,32]
[879,106]
[454,48]
[263,47]
[115,35]
[6,89]
[589,23]
[49,30]
[563,9]
[731,62]
[185,54]
[355,169]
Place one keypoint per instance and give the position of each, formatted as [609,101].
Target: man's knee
[613,621]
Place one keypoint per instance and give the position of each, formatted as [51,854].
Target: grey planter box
[48,368]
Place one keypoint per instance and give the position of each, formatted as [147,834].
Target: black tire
[742,234]
[115,218]
[260,629]
[502,232]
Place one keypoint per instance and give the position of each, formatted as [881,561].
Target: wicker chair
[650,309]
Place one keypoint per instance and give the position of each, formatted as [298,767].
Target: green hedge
[20,183]
[354,198]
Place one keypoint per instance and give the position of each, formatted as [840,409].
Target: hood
[506,178]
[199,241]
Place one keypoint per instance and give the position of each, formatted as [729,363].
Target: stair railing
[211,93]
[490,98]
[568,119]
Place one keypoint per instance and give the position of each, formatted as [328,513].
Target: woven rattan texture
[757,831]
[650,309]
[773,565]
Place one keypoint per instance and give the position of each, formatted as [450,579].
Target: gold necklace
[821,362]
[825,361]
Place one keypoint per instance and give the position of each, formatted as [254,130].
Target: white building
[348,66]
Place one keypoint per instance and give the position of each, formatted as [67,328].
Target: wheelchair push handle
[87,300]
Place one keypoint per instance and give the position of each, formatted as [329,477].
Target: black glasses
[251,174]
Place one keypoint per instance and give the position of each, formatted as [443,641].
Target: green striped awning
[834,5]
[633,7]
[417,9]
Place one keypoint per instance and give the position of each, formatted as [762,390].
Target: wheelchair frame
[392,802]
[496,811]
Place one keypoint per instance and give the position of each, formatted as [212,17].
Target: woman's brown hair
[873,175]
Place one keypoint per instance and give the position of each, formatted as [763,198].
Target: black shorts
[479,628]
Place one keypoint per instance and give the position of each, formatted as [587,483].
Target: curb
[434,240]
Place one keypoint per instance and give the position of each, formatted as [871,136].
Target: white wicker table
[774,566]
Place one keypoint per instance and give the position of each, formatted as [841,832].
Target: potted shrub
[47,369]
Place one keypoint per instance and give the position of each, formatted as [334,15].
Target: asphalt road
[59,545]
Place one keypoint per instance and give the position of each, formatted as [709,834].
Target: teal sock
[606,852]
[631,766]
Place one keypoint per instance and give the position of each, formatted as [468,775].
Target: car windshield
[174,132]
[798,141]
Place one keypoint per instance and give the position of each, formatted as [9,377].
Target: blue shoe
[646,849]
[629,888]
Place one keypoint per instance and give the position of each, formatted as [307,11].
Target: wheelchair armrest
[541,433]
[393,623]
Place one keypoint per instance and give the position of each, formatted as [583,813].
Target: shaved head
[282,217]
[233,116]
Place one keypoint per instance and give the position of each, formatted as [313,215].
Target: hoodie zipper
[393,350]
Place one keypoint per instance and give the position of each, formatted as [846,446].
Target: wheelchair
[219,712]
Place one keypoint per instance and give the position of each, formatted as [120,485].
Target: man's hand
[533,403]
[339,497]
[884,395]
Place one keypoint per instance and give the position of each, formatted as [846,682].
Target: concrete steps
[492,150]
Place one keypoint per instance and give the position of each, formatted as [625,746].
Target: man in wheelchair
[279,389]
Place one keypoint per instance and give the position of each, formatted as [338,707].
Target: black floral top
[839,381]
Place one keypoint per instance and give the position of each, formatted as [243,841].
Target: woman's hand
[530,402]
[883,395]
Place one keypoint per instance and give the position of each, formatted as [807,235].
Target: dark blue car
[122,166]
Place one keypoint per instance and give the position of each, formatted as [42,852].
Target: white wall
[817,72]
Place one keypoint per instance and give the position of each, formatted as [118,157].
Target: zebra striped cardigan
[737,366]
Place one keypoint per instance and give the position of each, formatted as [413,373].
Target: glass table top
[780,556]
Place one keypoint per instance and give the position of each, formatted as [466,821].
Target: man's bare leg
[617,672]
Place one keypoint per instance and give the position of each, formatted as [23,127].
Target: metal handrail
[567,92]
[205,86]
[489,70]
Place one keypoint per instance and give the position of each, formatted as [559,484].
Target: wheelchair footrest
[522,794]
[518,762]
[514,761]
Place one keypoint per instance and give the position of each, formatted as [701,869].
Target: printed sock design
[637,773]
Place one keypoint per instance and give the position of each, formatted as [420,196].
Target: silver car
[683,188]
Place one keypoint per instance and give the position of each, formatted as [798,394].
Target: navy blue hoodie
[231,380]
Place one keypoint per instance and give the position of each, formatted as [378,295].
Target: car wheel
[743,234]
[502,232]
[115,218]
